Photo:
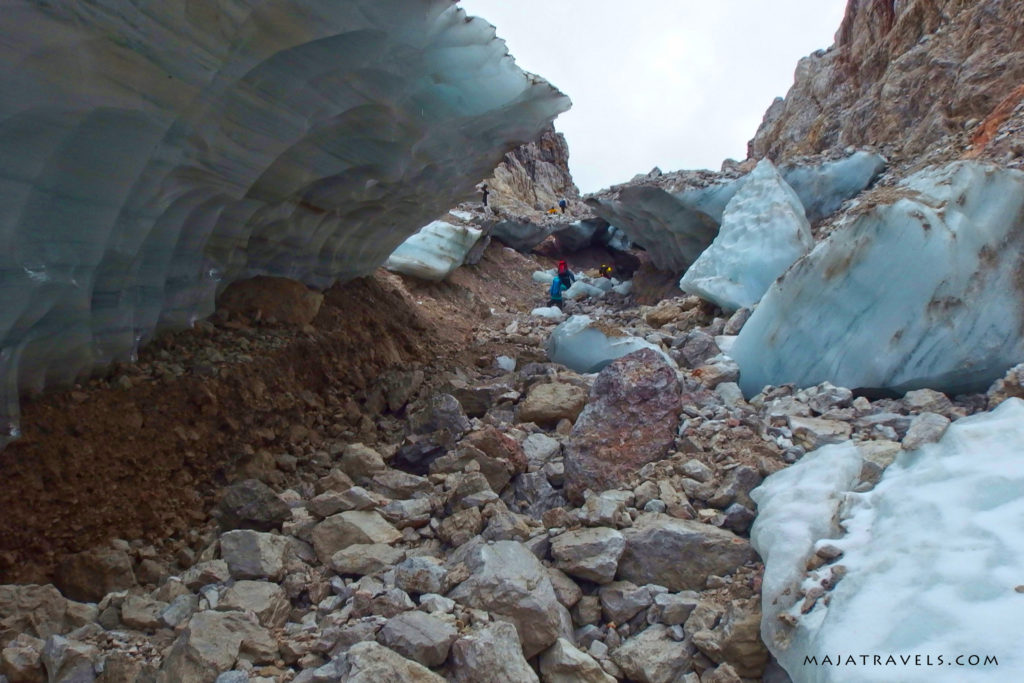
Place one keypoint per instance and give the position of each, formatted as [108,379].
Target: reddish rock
[504,452]
[630,420]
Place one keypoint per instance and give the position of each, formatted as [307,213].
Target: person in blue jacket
[558,284]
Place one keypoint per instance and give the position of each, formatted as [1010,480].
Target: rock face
[199,146]
[921,289]
[901,73]
[763,232]
[631,420]
[533,177]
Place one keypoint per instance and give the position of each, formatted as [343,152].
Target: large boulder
[763,232]
[491,653]
[251,504]
[368,662]
[631,420]
[88,576]
[592,554]
[509,581]
[38,611]
[419,636]
[680,554]
[212,643]
[254,555]
[339,531]
[550,402]
[920,289]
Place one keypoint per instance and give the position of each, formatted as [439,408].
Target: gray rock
[34,610]
[539,449]
[736,640]
[370,662]
[251,504]
[536,495]
[20,660]
[738,518]
[876,455]
[675,608]
[814,432]
[697,348]
[736,487]
[264,599]
[180,610]
[142,613]
[925,428]
[592,554]
[680,554]
[398,484]
[88,576]
[652,656]
[419,637]
[366,558]
[421,574]
[69,661]
[492,653]
[414,512]
[507,580]
[233,677]
[927,401]
[205,573]
[361,462]
[622,600]
[431,603]
[339,531]
[566,590]
[254,555]
[442,412]
[563,663]
[695,469]
[825,397]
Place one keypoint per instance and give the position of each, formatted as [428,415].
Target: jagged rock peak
[903,75]
[534,176]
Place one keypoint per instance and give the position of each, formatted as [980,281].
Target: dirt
[142,452]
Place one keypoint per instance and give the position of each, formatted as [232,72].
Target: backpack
[556,288]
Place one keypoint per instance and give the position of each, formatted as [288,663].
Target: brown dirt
[143,452]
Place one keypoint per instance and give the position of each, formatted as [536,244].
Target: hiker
[566,274]
[485,191]
[552,210]
[605,271]
[557,285]
[562,204]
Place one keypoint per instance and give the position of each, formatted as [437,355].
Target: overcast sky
[668,83]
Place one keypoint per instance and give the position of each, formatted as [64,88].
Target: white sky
[678,84]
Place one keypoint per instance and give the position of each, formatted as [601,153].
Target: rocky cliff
[906,76]
[534,176]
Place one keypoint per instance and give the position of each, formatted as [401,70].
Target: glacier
[922,287]
[932,557]
[675,227]
[435,251]
[764,230]
[152,153]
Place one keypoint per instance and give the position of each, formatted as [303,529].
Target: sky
[677,84]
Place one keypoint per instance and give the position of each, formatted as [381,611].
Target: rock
[264,599]
[20,660]
[89,575]
[366,558]
[339,531]
[566,590]
[736,487]
[825,397]
[251,504]
[652,656]
[398,484]
[925,428]
[630,420]
[675,608]
[814,432]
[622,600]
[361,462]
[927,401]
[764,230]
[254,555]
[491,653]
[34,610]
[458,528]
[947,238]
[546,404]
[736,640]
[419,637]
[697,348]
[717,370]
[508,581]
[421,574]
[1010,386]
[272,298]
[179,611]
[695,469]
[69,660]
[503,456]
[680,554]
[142,613]
[414,513]
[369,662]
[591,554]
[205,573]
[563,663]
[442,412]
[539,449]
[212,642]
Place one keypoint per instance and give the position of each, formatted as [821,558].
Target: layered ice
[151,153]
[584,345]
[763,232]
[676,227]
[923,288]
[933,558]
[435,251]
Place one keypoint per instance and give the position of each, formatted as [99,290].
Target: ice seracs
[435,251]
[763,231]
[921,288]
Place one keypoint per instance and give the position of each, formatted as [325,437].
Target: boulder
[548,403]
[652,656]
[680,554]
[21,660]
[339,531]
[442,412]
[492,653]
[89,575]
[631,420]
[35,610]
[142,613]
[254,555]
[507,580]
[591,554]
[366,558]
[251,504]
[419,636]
[369,662]
[563,663]
[264,599]
[69,660]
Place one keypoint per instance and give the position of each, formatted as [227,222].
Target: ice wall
[151,153]
[923,288]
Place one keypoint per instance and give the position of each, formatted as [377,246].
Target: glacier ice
[932,556]
[675,227]
[763,232]
[435,251]
[584,345]
[151,153]
[922,288]
[521,235]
